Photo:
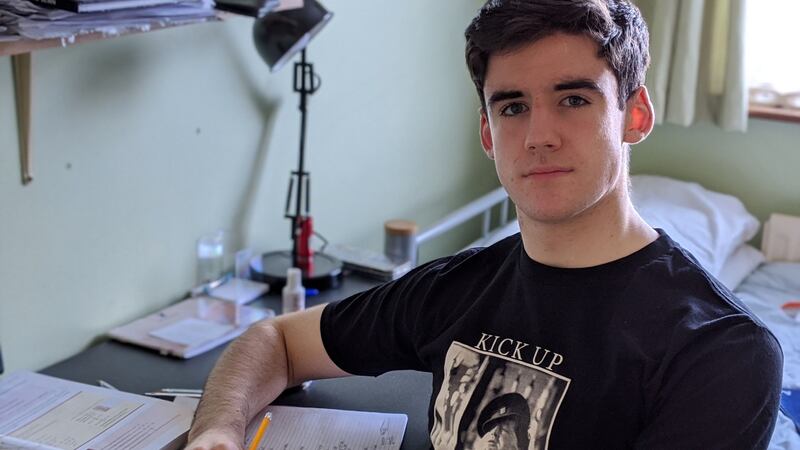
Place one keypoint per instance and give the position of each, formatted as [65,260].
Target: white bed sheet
[764,291]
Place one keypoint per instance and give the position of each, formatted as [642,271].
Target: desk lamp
[279,36]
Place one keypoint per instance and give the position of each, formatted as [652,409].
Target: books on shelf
[85,6]
[23,19]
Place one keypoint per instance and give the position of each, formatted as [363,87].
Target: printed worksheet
[329,429]
[42,412]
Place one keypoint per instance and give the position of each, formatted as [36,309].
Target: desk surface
[138,370]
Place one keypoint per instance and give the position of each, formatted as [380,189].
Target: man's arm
[269,357]
[721,393]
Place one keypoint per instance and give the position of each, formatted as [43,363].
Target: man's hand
[215,440]
[269,357]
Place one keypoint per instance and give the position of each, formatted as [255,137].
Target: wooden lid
[400,227]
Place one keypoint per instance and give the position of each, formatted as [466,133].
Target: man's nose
[542,130]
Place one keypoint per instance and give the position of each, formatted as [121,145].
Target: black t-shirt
[648,351]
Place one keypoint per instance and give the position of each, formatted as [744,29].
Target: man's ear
[486,135]
[639,116]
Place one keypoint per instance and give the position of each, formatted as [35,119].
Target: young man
[589,328]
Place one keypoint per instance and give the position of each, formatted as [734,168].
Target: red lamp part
[305,255]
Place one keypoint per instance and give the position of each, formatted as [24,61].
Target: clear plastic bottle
[294,294]
[210,257]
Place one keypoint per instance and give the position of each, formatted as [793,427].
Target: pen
[260,433]
[173,394]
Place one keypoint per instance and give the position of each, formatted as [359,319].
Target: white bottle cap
[294,278]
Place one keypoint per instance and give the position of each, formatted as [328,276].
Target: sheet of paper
[192,331]
[37,412]
[313,428]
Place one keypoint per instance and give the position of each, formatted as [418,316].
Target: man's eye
[574,101]
[512,109]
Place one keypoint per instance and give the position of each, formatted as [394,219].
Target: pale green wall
[761,166]
[143,143]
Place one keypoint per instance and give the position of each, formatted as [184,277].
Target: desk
[138,370]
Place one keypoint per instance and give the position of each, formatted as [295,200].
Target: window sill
[773,113]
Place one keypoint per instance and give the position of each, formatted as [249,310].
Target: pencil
[260,433]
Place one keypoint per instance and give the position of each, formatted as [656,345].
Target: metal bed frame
[484,206]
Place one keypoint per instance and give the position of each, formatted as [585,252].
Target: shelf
[773,113]
[29,45]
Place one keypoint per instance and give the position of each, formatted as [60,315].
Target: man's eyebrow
[581,83]
[499,96]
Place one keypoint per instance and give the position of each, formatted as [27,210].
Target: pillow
[744,260]
[710,225]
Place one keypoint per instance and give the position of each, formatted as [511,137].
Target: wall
[759,166]
[143,143]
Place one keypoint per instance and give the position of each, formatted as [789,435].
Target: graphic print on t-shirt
[491,401]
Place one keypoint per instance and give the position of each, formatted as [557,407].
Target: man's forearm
[251,373]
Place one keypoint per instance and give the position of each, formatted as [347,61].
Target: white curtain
[697,70]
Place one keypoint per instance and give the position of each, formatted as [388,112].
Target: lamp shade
[280,35]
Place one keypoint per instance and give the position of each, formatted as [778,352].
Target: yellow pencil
[260,433]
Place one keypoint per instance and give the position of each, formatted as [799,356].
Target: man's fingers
[212,440]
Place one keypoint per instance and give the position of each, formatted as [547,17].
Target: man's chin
[544,216]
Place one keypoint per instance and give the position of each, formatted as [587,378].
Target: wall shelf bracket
[21,65]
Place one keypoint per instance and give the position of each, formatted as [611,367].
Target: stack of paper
[41,412]
[22,18]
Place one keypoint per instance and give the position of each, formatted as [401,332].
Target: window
[773,62]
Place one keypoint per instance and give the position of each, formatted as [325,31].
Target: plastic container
[399,243]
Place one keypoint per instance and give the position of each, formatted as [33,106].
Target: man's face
[553,126]
[501,437]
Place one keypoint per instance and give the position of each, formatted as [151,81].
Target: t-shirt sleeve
[378,330]
[722,392]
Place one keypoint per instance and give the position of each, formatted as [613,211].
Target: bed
[716,228]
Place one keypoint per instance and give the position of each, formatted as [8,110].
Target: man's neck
[608,231]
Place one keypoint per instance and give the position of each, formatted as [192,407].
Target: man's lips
[547,171]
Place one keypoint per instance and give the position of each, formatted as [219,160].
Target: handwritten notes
[329,429]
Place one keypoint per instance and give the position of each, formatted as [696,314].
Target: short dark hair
[615,25]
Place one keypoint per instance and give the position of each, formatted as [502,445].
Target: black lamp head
[281,35]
